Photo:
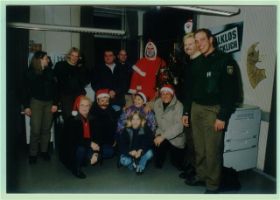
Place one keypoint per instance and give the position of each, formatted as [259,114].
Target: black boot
[79,173]
[189,171]
[32,159]
[158,164]
[194,181]
[46,156]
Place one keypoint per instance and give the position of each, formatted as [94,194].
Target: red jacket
[144,76]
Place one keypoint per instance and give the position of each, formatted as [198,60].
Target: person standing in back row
[145,72]
[72,79]
[126,74]
[212,105]
[193,65]
[109,75]
[40,102]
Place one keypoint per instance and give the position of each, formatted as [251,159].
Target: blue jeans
[82,154]
[107,151]
[128,161]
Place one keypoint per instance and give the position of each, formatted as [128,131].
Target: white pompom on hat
[167,88]
[102,93]
[143,96]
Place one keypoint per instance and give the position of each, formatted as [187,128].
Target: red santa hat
[143,96]
[167,88]
[102,93]
[76,105]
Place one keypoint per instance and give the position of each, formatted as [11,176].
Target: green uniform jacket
[212,80]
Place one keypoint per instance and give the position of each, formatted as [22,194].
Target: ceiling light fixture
[219,10]
[60,28]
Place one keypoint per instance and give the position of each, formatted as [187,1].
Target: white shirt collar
[111,66]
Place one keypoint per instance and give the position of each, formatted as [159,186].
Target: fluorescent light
[220,10]
[60,28]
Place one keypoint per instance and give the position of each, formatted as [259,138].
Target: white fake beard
[150,54]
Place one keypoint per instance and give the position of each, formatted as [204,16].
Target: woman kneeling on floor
[78,138]
[136,143]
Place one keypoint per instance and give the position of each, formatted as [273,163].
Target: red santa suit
[145,71]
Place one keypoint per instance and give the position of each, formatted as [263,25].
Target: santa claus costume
[145,71]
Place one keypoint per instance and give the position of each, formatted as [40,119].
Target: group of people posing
[131,117]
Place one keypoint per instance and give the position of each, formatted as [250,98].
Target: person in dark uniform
[214,89]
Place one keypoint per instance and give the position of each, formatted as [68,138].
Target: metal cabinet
[241,138]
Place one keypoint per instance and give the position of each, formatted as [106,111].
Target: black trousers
[67,102]
[176,155]
[189,150]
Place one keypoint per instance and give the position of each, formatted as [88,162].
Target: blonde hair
[129,119]
[73,49]
[82,97]
[189,35]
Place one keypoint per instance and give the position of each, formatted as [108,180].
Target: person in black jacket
[194,65]
[136,143]
[126,74]
[40,102]
[72,79]
[79,142]
[105,123]
[111,76]
[214,89]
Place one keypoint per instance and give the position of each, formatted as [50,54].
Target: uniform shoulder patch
[230,69]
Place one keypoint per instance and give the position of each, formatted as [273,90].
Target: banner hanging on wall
[229,38]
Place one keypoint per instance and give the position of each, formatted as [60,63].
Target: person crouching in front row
[136,143]
[169,133]
[78,141]
[105,124]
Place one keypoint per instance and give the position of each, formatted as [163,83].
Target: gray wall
[259,26]
[55,42]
